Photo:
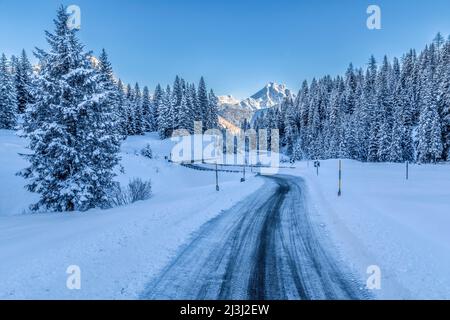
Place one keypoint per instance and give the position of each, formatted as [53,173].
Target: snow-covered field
[381,219]
[118,250]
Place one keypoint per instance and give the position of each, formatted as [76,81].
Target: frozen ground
[382,219]
[118,250]
[268,247]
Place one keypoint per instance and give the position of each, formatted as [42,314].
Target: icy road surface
[265,247]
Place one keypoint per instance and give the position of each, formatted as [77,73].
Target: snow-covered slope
[382,219]
[12,187]
[231,127]
[118,250]
[228,100]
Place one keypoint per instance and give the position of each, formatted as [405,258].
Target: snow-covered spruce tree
[173,111]
[130,111]
[373,114]
[147,111]
[164,111]
[8,102]
[398,134]
[213,110]
[302,106]
[177,91]
[444,97]
[122,109]
[185,119]
[13,66]
[138,112]
[360,121]
[297,153]
[351,136]
[155,102]
[445,113]
[408,98]
[114,97]
[350,91]
[334,124]
[22,81]
[430,146]
[384,110]
[203,104]
[68,126]
[291,127]
[194,102]
[177,96]
[192,105]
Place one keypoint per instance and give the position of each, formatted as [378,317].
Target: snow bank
[118,250]
[382,219]
[14,198]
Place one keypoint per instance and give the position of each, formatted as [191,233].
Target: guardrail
[200,168]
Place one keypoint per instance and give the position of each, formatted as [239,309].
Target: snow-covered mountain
[269,96]
[236,111]
[229,100]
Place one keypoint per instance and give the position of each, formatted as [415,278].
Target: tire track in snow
[265,247]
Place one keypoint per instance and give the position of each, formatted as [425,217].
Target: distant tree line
[138,111]
[394,111]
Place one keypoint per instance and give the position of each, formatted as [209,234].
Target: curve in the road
[265,247]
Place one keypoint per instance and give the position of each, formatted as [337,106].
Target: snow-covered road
[265,247]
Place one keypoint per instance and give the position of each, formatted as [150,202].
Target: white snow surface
[228,99]
[118,250]
[384,220]
[381,219]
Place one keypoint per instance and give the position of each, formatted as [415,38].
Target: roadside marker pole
[340,179]
[407,170]
[217,179]
[317,165]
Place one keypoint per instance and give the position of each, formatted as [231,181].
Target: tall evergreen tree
[23,75]
[429,132]
[138,111]
[156,102]
[73,151]
[130,111]
[444,97]
[213,110]
[147,111]
[165,121]
[396,151]
[122,109]
[8,102]
[385,109]
[178,92]
[113,93]
[350,90]
[203,104]
[186,120]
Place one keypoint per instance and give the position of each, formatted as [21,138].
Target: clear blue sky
[238,45]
